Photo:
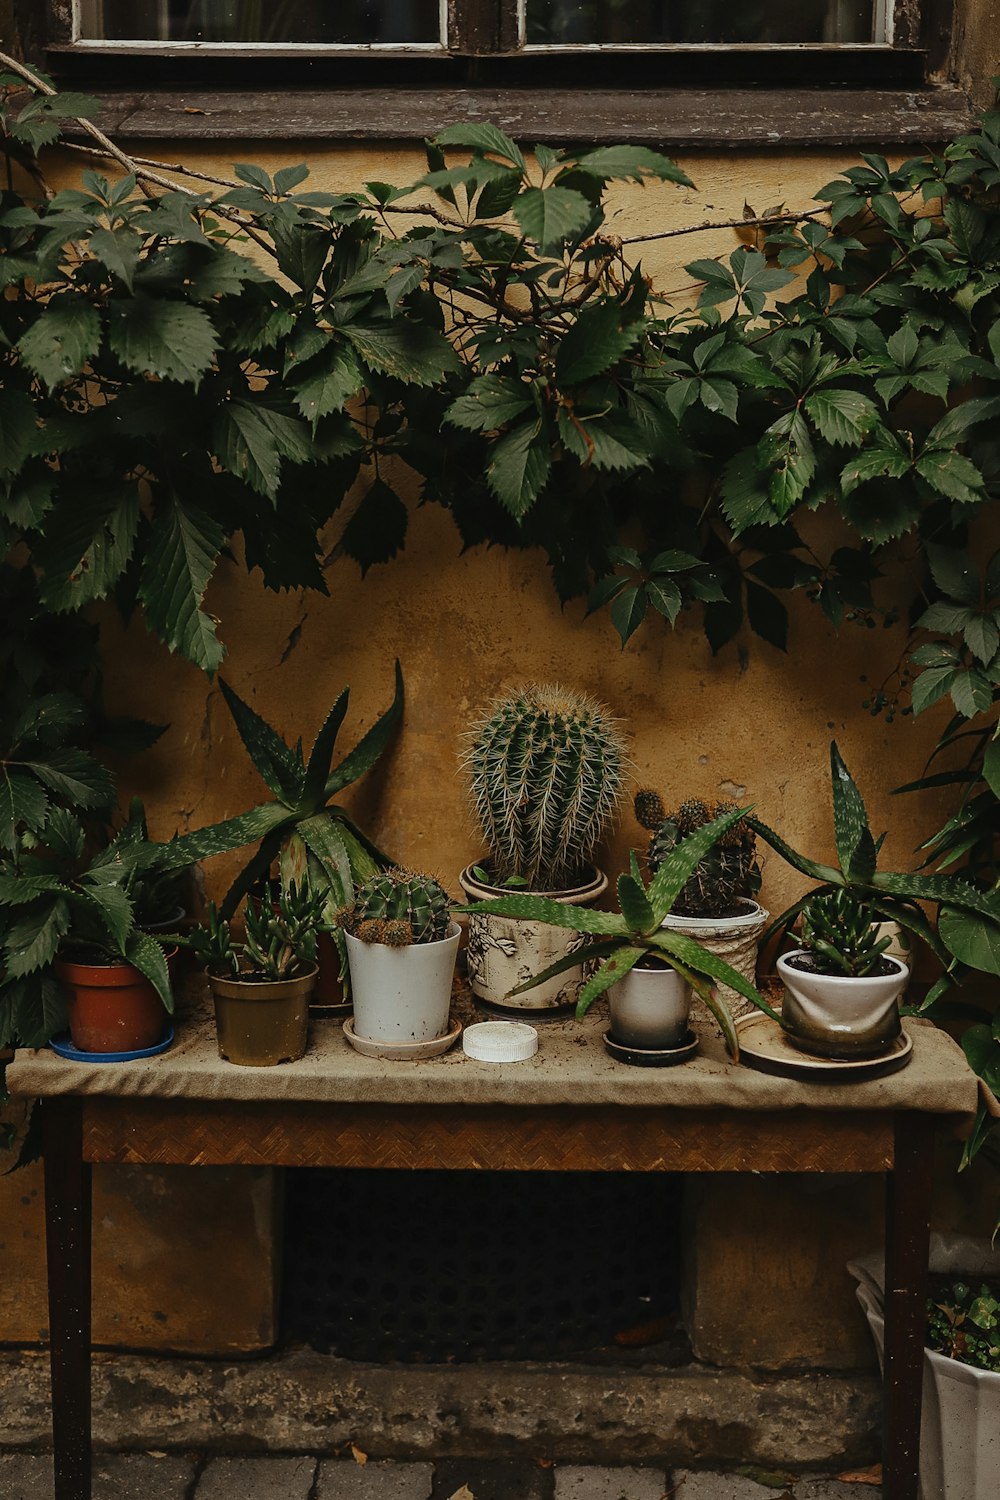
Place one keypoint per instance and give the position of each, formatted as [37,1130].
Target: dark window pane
[330,21]
[597,22]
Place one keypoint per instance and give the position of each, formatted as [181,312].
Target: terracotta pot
[261,1023]
[112,1007]
[505,951]
[329,985]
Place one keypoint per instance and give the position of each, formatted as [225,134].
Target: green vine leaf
[551,216]
[166,339]
[180,558]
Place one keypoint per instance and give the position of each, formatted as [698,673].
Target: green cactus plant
[728,873]
[399,907]
[546,769]
[841,931]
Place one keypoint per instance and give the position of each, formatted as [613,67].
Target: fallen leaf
[862,1476]
[154,1453]
[189,109]
[463,1494]
[545,1463]
[772,1479]
[358,1456]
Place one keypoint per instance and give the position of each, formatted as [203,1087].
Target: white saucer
[403,1051]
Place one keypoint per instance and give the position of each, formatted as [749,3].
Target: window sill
[737,118]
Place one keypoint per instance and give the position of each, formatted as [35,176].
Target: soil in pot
[807,963]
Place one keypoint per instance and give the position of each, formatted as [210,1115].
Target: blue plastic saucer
[64,1048]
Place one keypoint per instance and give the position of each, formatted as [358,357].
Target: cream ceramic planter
[835,1015]
[402,994]
[734,940]
[503,952]
[960,1418]
[649,1009]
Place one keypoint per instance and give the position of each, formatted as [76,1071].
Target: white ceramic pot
[837,1015]
[649,1008]
[402,994]
[505,951]
[734,940]
[960,1419]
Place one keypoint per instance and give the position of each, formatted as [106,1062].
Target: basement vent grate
[465,1266]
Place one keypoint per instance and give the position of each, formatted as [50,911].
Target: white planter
[505,951]
[734,940]
[836,1015]
[960,1422]
[402,994]
[649,1008]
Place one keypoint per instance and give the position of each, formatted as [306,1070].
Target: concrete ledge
[301,1402]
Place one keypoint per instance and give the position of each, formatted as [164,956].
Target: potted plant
[716,905]
[261,987]
[401,946]
[546,769]
[317,844]
[634,939]
[842,987]
[960,1413]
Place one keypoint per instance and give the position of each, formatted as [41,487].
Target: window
[674,73]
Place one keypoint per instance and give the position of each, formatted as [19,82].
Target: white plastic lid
[500,1041]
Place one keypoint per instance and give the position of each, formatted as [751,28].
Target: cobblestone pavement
[119,1476]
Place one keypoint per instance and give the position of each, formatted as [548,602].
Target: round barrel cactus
[398,907]
[546,768]
[728,872]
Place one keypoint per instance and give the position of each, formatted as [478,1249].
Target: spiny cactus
[546,769]
[726,874]
[398,907]
[842,932]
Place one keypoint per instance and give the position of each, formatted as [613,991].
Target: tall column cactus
[546,769]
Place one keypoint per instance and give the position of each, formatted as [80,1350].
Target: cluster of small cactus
[841,931]
[726,875]
[546,769]
[280,937]
[399,907]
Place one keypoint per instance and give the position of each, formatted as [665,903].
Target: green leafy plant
[619,941]
[279,941]
[891,897]
[546,768]
[964,1323]
[841,932]
[399,907]
[729,872]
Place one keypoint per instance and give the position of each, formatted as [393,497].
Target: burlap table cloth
[571,1067]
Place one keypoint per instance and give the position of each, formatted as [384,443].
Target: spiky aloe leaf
[592,953]
[325,841]
[949,890]
[913,920]
[555,913]
[368,749]
[718,1008]
[255,870]
[635,905]
[318,769]
[855,844]
[146,954]
[826,874]
[222,838]
[679,865]
[282,771]
[365,856]
[700,961]
[615,968]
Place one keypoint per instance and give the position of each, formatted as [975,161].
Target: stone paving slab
[587,1482]
[698,1485]
[375,1480]
[516,1479]
[116,1476]
[257,1479]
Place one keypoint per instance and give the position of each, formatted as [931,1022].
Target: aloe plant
[318,845]
[893,897]
[620,940]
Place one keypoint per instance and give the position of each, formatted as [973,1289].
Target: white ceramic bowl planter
[402,994]
[960,1419]
[505,951]
[838,1015]
[649,1008]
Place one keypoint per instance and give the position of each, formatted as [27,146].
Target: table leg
[67,1239]
[907,1238]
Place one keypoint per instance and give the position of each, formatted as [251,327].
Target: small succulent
[280,938]
[546,768]
[729,871]
[398,907]
[841,931]
[965,1324]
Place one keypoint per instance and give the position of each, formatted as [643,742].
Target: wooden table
[569,1108]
